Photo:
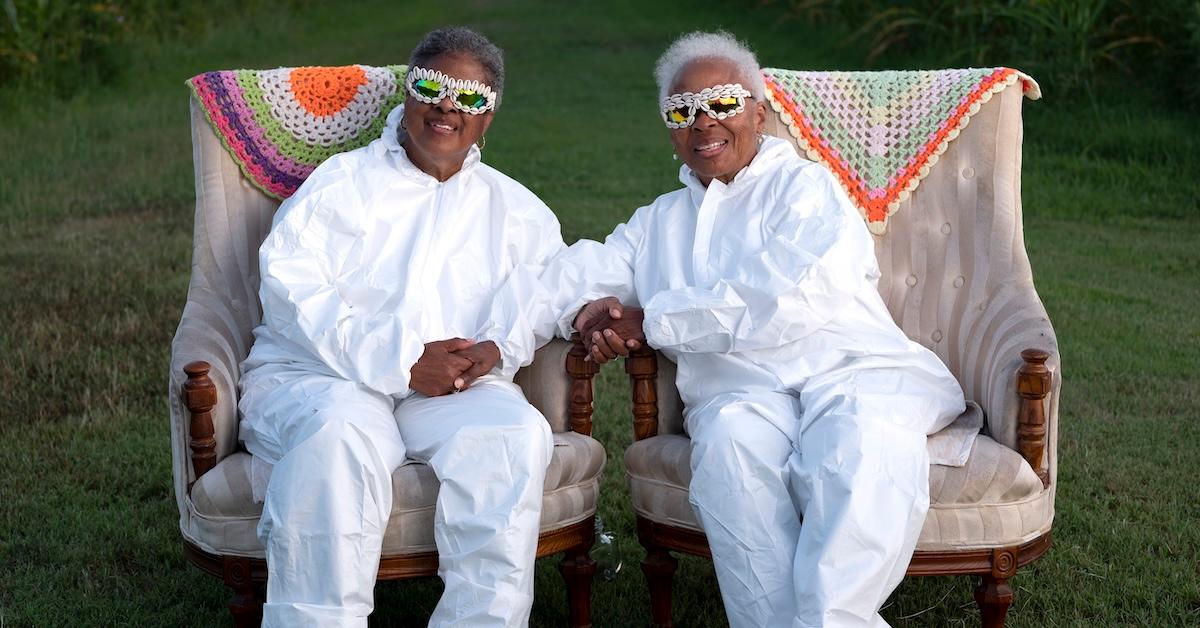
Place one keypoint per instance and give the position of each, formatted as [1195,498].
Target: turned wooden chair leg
[578,570]
[659,567]
[246,605]
[993,596]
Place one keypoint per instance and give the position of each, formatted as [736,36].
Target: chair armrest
[657,408]
[208,336]
[1012,321]
[559,384]
[642,367]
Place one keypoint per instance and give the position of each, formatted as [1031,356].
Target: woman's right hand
[440,371]
[609,329]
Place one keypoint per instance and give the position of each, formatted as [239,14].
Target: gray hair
[460,39]
[701,45]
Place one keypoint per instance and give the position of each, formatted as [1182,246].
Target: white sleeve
[306,263]
[817,258]
[588,270]
[520,319]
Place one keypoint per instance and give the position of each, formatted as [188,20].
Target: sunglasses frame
[450,86]
[699,102]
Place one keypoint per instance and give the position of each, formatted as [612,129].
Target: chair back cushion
[933,160]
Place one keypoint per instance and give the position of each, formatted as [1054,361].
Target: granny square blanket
[279,125]
[880,132]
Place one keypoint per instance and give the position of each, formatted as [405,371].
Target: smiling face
[717,149]
[440,136]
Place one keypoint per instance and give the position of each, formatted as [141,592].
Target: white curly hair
[704,45]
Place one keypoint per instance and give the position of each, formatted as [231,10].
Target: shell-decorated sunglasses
[718,101]
[431,86]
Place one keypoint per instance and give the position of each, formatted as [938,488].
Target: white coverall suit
[368,261]
[803,399]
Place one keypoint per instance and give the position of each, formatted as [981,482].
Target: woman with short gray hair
[802,398]
[398,274]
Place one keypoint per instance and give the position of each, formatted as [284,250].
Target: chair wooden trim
[995,566]
[247,577]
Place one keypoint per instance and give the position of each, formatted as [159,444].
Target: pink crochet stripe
[233,140]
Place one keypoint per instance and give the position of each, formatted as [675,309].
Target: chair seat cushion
[994,499]
[223,515]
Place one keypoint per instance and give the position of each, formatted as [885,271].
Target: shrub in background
[1072,45]
[44,38]
[63,44]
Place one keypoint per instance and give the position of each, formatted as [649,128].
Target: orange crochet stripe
[879,208]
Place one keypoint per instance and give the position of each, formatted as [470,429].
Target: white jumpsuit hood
[371,259]
[802,397]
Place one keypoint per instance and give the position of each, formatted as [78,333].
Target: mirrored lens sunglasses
[719,102]
[431,87]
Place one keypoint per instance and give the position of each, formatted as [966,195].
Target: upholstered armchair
[254,140]
[933,159]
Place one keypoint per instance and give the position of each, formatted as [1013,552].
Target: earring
[762,137]
[482,142]
[402,127]
[674,156]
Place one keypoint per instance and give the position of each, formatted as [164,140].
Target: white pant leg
[489,449]
[740,494]
[861,478]
[334,445]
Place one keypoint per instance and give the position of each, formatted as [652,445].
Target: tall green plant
[45,38]
[66,43]
[1069,44]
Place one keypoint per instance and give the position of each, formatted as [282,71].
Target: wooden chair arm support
[1033,385]
[200,396]
[581,394]
[642,367]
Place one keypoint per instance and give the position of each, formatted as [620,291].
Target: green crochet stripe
[298,150]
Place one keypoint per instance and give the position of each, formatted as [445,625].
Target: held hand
[618,338]
[483,356]
[440,370]
[598,314]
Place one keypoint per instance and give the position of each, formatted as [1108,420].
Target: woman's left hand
[485,355]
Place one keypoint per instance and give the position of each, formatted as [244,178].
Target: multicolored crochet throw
[279,125]
[880,132]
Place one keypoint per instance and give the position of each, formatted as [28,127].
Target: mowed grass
[96,197]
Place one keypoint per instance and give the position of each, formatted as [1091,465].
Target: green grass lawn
[96,197]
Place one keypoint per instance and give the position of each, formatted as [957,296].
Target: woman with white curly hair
[803,399]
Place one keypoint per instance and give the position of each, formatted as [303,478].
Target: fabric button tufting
[959,281]
[911,281]
[968,172]
[937,335]
[946,228]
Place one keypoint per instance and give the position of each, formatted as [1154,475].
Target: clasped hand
[609,329]
[452,365]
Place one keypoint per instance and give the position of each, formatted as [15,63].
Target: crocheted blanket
[279,125]
[880,132]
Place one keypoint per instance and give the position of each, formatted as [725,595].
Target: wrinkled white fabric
[368,261]
[802,397]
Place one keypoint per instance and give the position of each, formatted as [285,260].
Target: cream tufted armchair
[212,473]
[956,278]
